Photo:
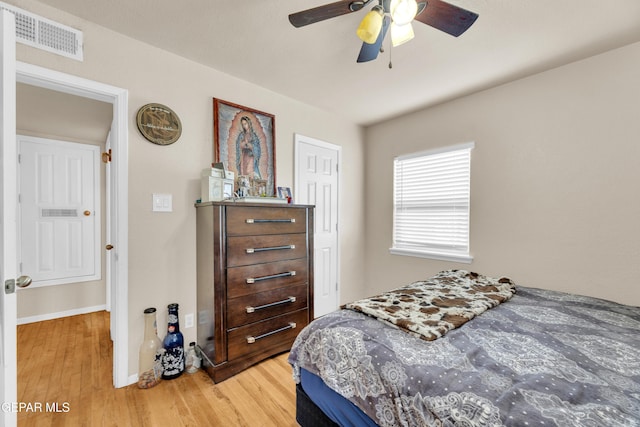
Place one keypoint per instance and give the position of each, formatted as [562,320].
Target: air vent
[42,33]
[59,213]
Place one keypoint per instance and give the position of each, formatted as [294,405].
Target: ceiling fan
[397,14]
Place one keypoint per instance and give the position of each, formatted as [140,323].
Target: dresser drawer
[255,307]
[246,250]
[248,220]
[258,336]
[263,277]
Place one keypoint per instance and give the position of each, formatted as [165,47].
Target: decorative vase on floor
[151,351]
[192,359]
[173,359]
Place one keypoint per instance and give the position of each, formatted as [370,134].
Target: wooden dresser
[255,281]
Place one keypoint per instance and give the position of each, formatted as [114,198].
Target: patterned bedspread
[543,358]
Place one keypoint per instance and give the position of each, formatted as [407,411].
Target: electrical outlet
[188,320]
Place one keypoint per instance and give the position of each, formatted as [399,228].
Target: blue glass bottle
[173,358]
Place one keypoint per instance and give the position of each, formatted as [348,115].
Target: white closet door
[317,184]
[59,205]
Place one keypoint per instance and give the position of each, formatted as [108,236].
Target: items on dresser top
[255,282]
[216,184]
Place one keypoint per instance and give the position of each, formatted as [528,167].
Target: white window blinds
[431,204]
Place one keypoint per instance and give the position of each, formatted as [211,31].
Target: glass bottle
[192,359]
[150,356]
[173,359]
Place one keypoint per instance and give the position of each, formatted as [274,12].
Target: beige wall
[162,266]
[554,179]
[47,114]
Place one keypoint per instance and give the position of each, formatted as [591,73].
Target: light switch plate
[188,320]
[162,203]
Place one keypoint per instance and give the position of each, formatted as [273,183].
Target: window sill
[466,259]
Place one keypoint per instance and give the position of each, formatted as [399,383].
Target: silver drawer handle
[261,221]
[271,248]
[273,304]
[251,280]
[251,340]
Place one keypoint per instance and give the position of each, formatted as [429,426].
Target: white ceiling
[254,41]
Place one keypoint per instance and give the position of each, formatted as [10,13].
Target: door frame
[299,139]
[54,80]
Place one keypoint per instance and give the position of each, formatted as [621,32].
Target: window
[431,204]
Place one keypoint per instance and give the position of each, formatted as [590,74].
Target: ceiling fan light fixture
[401,33]
[370,26]
[403,11]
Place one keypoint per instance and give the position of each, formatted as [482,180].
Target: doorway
[317,168]
[117,237]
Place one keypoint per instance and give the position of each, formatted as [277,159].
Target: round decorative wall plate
[159,124]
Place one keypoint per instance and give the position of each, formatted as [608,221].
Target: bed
[517,356]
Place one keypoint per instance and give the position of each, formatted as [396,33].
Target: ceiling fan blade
[447,17]
[320,13]
[369,52]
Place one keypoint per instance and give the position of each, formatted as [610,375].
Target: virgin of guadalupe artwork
[248,150]
[244,140]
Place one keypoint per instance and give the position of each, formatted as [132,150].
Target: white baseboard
[132,379]
[50,316]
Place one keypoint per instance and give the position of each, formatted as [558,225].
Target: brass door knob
[108,247]
[87,213]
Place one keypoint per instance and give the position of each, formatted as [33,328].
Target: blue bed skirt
[337,408]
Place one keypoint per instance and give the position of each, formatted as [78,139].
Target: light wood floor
[68,362]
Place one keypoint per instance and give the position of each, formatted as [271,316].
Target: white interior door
[59,210]
[316,183]
[8,220]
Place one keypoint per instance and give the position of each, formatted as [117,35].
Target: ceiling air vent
[42,33]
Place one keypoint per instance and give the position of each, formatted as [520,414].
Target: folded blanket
[431,308]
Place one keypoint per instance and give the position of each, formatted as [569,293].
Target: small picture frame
[285,193]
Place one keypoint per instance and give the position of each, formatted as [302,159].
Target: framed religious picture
[244,140]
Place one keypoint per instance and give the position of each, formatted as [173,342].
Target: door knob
[87,213]
[108,247]
[23,281]
[10,284]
